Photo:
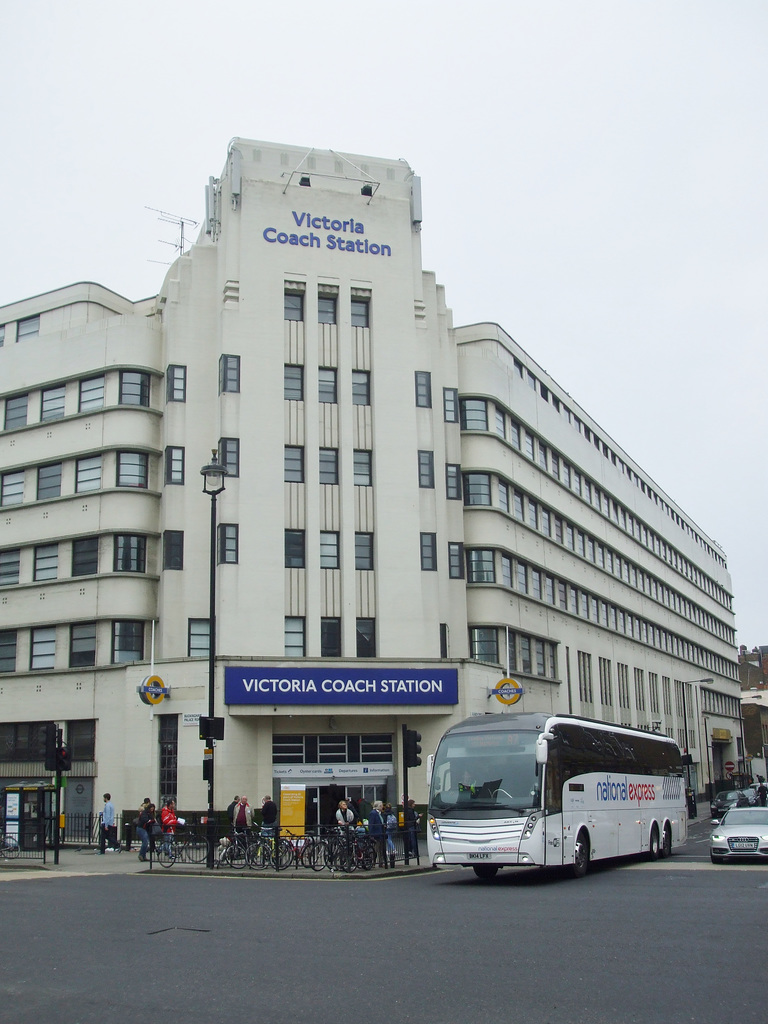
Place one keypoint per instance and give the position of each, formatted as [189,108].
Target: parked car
[729,798]
[742,833]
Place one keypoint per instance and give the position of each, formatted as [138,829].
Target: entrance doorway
[323,801]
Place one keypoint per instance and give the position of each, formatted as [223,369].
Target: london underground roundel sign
[153,690]
[508,691]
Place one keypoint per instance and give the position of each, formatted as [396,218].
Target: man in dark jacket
[231,810]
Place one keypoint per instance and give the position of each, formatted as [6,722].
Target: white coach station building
[413,512]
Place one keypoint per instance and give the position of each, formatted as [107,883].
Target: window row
[131,470]
[328,460]
[330,637]
[591,437]
[333,748]
[524,654]
[488,565]
[475,416]
[327,385]
[25,741]
[81,396]
[294,308]
[42,647]
[329,550]
[423,389]
[27,328]
[127,552]
[479,490]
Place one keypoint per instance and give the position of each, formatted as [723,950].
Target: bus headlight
[530,825]
[435,829]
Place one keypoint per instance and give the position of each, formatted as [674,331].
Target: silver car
[741,833]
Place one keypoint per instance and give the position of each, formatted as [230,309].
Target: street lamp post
[213,484]
[690,800]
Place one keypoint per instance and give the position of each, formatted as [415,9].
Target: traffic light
[412,748]
[63,759]
[50,746]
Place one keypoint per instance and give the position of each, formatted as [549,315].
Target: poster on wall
[293,801]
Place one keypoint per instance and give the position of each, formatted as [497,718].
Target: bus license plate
[479,856]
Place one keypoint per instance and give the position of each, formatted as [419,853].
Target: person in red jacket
[168,817]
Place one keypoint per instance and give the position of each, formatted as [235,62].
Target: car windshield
[491,772]
[752,817]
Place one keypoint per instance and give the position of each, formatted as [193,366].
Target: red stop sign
[729,766]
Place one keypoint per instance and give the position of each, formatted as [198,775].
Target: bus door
[553,815]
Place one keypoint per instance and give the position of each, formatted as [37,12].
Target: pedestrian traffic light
[412,748]
[63,759]
[50,746]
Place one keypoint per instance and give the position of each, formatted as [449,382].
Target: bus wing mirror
[542,746]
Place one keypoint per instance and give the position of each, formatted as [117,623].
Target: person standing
[242,815]
[142,827]
[376,832]
[231,811]
[762,794]
[412,819]
[390,824]
[108,831]
[344,815]
[268,814]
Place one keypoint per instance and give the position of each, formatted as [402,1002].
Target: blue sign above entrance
[326,685]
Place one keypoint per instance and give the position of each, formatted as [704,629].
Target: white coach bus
[539,790]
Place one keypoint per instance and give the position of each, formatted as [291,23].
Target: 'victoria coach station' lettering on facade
[332,241]
[267,685]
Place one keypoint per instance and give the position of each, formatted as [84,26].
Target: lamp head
[213,475]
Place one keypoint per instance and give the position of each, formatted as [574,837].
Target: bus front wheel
[581,855]
[485,871]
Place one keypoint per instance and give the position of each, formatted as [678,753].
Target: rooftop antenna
[171,218]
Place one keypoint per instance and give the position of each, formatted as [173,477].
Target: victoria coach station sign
[265,685]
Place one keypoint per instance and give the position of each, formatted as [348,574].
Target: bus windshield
[494,773]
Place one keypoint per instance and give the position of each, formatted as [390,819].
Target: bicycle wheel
[257,854]
[165,851]
[9,847]
[283,856]
[367,855]
[195,849]
[312,855]
[236,854]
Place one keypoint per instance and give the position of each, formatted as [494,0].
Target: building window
[198,638]
[91,394]
[293,465]
[82,645]
[168,741]
[361,387]
[81,737]
[360,313]
[176,383]
[229,374]
[8,650]
[132,469]
[16,411]
[85,556]
[423,389]
[503,496]
[293,306]
[483,644]
[12,488]
[450,405]
[229,455]
[366,638]
[134,388]
[426,469]
[477,489]
[28,328]
[10,562]
[330,638]
[362,461]
[481,567]
[49,481]
[293,383]
[455,560]
[453,481]
[42,654]
[46,562]
[363,550]
[130,553]
[295,557]
[294,637]
[229,543]
[174,465]
[326,309]
[329,466]
[474,414]
[329,549]
[127,641]
[173,549]
[88,474]
[52,403]
[428,543]
[326,384]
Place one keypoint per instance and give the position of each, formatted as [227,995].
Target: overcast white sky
[594,176]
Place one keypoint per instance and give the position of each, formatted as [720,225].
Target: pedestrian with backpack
[390,824]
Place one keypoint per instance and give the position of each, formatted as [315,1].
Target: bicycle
[9,846]
[170,847]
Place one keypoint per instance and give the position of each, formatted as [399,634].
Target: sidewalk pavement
[77,861]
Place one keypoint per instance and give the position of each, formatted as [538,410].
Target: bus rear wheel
[581,855]
[666,842]
[485,871]
[653,844]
